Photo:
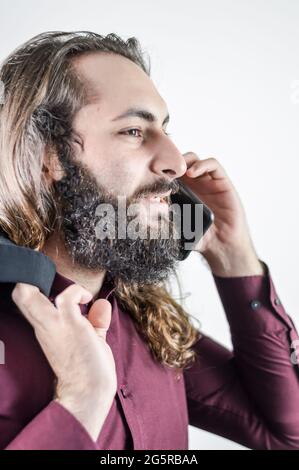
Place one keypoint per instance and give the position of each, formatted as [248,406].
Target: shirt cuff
[252,305]
[54,428]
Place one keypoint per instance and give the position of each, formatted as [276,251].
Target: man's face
[130,157]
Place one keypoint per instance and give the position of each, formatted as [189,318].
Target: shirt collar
[61,282]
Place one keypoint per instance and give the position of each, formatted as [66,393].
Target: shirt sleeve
[249,395]
[54,428]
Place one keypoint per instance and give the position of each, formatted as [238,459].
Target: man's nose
[168,160]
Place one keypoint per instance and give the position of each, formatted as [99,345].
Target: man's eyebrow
[142,114]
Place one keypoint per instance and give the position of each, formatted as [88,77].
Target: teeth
[158,199]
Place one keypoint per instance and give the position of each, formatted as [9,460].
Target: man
[108,360]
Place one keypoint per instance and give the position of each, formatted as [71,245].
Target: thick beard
[140,260]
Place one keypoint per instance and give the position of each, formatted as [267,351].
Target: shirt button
[277,301]
[255,304]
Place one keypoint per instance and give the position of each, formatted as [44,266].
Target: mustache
[160,186]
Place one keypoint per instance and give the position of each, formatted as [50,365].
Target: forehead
[117,83]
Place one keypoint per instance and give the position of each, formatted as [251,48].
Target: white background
[229,72]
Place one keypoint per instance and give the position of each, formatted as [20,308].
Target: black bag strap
[21,264]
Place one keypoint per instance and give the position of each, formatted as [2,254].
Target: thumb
[99,316]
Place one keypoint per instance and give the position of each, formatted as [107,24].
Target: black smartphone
[195,221]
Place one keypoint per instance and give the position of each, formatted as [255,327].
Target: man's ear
[52,170]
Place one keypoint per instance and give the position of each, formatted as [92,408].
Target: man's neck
[55,250]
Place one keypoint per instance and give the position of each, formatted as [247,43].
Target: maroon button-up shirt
[249,395]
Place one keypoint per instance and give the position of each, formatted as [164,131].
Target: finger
[99,316]
[209,165]
[68,301]
[190,158]
[38,309]
[32,303]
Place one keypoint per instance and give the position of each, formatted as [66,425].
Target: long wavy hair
[42,94]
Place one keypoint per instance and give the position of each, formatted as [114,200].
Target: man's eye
[131,130]
[138,130]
